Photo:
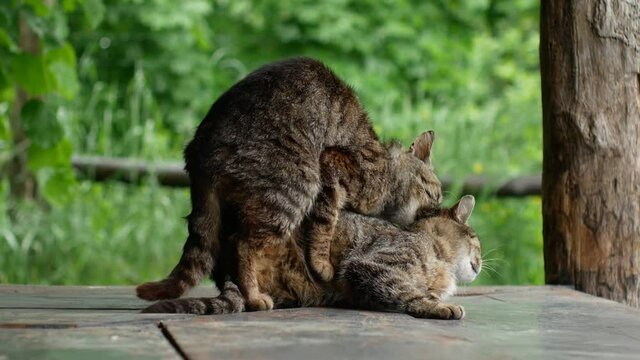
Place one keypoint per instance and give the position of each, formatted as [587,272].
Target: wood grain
[535,322]
[590,62]
[501,322]
[123,342]
[78,297]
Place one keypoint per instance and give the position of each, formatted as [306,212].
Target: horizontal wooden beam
[130,170]
[172,174]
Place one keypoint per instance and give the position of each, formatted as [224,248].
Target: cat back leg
[249,249]
[199,251]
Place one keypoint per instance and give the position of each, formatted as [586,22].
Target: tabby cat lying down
[379,267]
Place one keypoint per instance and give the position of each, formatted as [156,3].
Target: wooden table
[502,323]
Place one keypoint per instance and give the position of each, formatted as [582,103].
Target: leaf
[64,53]
[6,41]
[30,73]
[62,67]
[66,80]
[58,186]
[40,124]
[94,12]
[4,82]
[4,129]
[38,7]
[69,5]
[57,156]
[57,27]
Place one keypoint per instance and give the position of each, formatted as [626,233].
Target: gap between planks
[172,340]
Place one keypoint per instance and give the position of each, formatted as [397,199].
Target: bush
[141,75]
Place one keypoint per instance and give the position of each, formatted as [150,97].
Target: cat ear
[462,209]
[421,147]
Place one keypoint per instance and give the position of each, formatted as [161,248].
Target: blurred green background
[133,78]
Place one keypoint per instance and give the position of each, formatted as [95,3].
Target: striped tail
[200,250]
[228,302]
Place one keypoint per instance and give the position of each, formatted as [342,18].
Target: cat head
[455,241]
[416,185]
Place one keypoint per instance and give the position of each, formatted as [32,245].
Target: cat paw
[322,270]
[158,290]
[440,311]
[448,312]
[260,302]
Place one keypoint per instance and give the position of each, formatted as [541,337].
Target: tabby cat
[264,152]
[380,267]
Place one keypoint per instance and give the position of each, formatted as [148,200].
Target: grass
[110,233]
[137,235]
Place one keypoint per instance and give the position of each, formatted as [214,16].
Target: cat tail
[200,250]
[228,302]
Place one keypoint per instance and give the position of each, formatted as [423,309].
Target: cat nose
[475,265]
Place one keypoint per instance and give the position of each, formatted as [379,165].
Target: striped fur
[379,266]
[261,157]
[229,301]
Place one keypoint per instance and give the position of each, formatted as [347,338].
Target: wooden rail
[172,174]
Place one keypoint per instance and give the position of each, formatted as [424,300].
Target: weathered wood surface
[538,324]
[78,297]
[502,322]
[590,62]
[122,342]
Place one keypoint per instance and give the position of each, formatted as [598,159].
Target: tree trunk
[21,181]
[590,62]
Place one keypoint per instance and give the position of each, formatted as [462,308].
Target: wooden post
[590,62]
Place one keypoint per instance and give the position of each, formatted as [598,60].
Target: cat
[379,267]
[264,152]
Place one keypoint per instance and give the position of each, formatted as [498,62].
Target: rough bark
[590,51]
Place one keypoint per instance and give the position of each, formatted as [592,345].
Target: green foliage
[30,73]
[106,234]
[40,124]
[44,68]
[133,78]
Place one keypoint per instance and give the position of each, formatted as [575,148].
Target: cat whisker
[494,261]
[491,251]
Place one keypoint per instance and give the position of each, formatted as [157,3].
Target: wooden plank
[533,322]
[77,297]
[121,342]
[75,318]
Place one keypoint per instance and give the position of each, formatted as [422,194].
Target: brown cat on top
[380,267]
[264,152]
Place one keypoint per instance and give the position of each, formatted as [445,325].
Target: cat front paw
[260,302]
[322,270]
[158,290]
[439,311]
[448,312]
